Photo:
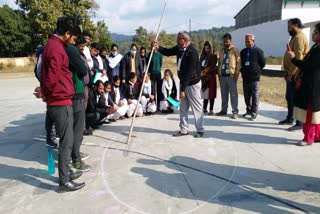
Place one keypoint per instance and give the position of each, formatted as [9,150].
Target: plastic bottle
[51,165]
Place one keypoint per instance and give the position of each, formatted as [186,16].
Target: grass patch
[274,60]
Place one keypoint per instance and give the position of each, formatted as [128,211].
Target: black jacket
[310,86]
[189,73]
[96,106]
[131,91]
[257,61]
[125,68]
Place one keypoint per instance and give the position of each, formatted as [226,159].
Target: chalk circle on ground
[146,183]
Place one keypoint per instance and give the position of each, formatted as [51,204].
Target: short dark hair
[80,40]
[297,22]
[98,83]
[132,75]
[107,83]
[96,45]
[114,45]
[103,49]
[86,33]
[116,78]
[143,48]
[134,45]
[227,36]
[69,24]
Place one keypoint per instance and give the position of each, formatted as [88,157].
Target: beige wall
[18,62]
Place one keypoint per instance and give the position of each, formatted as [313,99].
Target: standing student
[208,62]
[58,91]
[114,59]
[131,63]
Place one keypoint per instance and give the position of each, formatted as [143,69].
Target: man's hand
[236,78]
[155,45]
[38,93]
[289,77]
[182,95]
[123,81]
[152,97]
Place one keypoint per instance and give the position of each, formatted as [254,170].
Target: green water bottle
[51,166]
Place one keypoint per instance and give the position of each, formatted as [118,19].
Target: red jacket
[56,78]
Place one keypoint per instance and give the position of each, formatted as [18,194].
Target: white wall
[310,11]
[271,37]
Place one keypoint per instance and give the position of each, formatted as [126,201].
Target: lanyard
[249,52]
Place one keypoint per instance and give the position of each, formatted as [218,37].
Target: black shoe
[84,156]
[294,128]
[87,132]
[205,111]
[164,111]
[74,175]
[199,134]
[286,122]
[122,118]
[170,110]
[96,126]
[253,117]
[221,113]
[70,186]
[179,134]
[148,114]
[112,120]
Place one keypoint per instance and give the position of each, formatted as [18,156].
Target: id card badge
[247,64]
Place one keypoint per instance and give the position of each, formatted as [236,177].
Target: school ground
[239,166]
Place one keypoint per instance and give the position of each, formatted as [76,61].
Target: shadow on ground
[249,188]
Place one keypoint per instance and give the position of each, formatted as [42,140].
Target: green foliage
[103,35]
[214,35]
[1,66]
[45,13]
[15,33]
[274,60]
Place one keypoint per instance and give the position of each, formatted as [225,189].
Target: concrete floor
[238,167]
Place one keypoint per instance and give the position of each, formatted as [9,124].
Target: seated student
[110,104]
[96,108]
[119,99]
[148,97]
[167,89]
[131,93]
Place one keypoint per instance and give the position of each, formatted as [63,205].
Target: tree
[45,13]
[103,35]
[141,38]
[15,33]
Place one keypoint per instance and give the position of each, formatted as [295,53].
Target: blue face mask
[114,53]
[133,53]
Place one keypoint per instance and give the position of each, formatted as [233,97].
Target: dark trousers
[79,115]
[62,116]
[93,118]
[251,96]
[290,93]
[49,125]
[205,104]
[156,84]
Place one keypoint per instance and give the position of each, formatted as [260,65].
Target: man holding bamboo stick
[190,82]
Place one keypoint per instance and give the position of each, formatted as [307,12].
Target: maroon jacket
[56,78]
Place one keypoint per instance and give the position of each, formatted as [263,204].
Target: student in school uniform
[148,97]
[167,89]
[131,93]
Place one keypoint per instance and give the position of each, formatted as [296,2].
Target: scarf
[147,88]
[114,61]
[167,87]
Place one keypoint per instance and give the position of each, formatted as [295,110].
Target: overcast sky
[124,16]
